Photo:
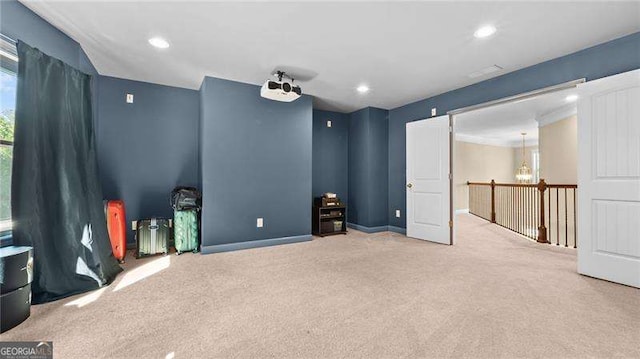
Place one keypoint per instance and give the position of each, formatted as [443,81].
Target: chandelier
[523,173]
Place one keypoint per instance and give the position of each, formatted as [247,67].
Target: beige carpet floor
[492,295]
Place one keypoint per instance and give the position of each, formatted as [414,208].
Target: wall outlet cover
[260,223]
[434,112]
[134,225]
[397,213]
[129,98]
[329,123]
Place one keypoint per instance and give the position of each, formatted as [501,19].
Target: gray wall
[148,147]
[603,60]
[256,162]
[330,154]
[368,167]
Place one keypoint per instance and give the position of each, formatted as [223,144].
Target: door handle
[409,185]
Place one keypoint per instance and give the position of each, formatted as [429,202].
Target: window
[8,85]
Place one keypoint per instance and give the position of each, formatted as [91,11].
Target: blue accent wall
[368,167]
[256,162]
[603,60]
[148,147]
[330,154]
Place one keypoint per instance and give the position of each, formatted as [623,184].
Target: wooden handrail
[521,207]
[529,185]
[562,186]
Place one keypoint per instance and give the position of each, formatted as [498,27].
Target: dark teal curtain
[56,197]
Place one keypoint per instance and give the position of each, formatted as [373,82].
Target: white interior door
[428,201]
[609,178]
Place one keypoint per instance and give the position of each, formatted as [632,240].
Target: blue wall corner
[368,167]
[148,147]
[330,154]
[256,162]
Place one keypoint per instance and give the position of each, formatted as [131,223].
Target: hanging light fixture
[523,174]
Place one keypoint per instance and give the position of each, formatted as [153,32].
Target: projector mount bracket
[281,74]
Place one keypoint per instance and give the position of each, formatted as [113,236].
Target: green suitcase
[185,230]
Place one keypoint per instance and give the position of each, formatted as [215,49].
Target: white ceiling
[502,125]
[404,51]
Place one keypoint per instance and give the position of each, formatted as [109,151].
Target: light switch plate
[398,213]
[328,123]
[260,223]
[129,98]
[433,112]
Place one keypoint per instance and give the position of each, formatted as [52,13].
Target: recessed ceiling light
[571,98]
[485,31]
[363,89]
[159,42]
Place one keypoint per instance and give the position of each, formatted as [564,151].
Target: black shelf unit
[324,219]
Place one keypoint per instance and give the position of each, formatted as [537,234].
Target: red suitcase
[116,224]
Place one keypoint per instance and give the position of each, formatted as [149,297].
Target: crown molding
[494,142]
[556,115]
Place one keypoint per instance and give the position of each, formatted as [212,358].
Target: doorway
[515,165]
[607,186]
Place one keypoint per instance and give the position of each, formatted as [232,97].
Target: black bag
[185,198]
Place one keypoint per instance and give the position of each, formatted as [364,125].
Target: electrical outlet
[134,225]
[329,123]
[397,213]
[260,223]
[433,112]
[129,98]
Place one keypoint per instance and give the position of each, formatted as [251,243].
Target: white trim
[482,140]
[557,114]
[495,142]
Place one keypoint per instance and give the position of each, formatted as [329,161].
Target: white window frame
[8,63]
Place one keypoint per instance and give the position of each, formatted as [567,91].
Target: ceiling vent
[485,71]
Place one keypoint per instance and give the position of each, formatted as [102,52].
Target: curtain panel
[56,194]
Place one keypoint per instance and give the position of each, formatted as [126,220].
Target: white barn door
[428,185]
[609,178]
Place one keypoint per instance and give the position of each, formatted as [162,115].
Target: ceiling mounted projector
[282,90]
